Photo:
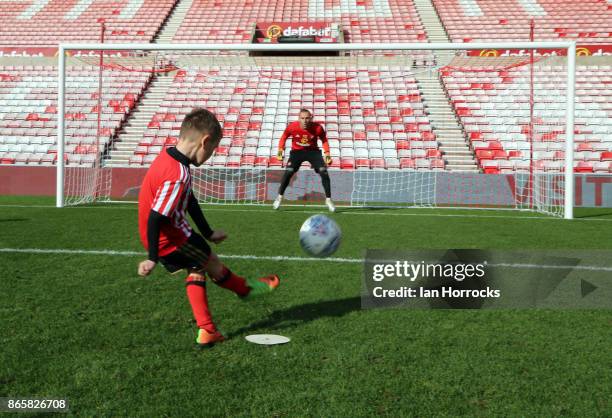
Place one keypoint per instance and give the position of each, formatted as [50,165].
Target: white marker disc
[267,339]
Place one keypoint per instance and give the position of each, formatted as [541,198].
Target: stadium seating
[374,116]
[493,107]
[48,22]
[584,21]
[28,112]
[362,21]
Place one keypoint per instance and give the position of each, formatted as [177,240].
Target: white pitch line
[550,267]
[282,258]
[68,251]
[340,212]
[137,253]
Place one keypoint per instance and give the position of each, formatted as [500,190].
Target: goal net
[415,125]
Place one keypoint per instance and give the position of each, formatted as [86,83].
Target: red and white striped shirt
[166,189]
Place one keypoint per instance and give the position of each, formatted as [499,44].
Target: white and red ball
[320,236]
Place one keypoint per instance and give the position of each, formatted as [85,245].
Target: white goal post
[570,47]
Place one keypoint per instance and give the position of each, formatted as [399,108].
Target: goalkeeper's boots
[261,286]
[207,339]
[277,202]
[330,205]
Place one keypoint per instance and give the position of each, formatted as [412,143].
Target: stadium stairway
[448,132]
[434,28]
[133,129]
[170,27]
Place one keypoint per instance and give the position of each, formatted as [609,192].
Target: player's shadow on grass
[300,314]
[594,215]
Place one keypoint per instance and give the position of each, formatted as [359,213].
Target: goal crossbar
[570,94]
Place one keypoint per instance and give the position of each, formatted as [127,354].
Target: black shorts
[314,157]
[193,254]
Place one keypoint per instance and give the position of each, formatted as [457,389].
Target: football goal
[478,125]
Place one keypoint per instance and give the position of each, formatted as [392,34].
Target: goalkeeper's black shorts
[192,255]
[314,157]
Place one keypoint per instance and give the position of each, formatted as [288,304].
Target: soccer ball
[320,236]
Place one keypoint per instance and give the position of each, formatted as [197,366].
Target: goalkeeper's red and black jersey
[166,189]
[304,139]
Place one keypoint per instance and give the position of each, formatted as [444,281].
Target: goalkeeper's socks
[196,293]
[233,282]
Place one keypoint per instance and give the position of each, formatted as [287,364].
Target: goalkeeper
[304,134]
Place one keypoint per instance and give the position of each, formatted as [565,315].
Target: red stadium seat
[273,162]
[347,163]
[361,162]
[606,156]
[484,154]
[583,167]
[407,163]
[261,161]
[438,163]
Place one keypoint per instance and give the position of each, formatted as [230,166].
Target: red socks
[198,299]
[233,282]
[196,293]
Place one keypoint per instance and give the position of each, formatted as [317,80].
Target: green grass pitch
[82,325]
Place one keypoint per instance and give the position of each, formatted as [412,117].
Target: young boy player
[165,200]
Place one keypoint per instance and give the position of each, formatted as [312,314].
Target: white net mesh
[87,135]
[513,112]
[405,188]
[543,190]
[234,185]
[100,96]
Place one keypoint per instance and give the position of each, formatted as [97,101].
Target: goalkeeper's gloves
[279,156]
[328,159]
